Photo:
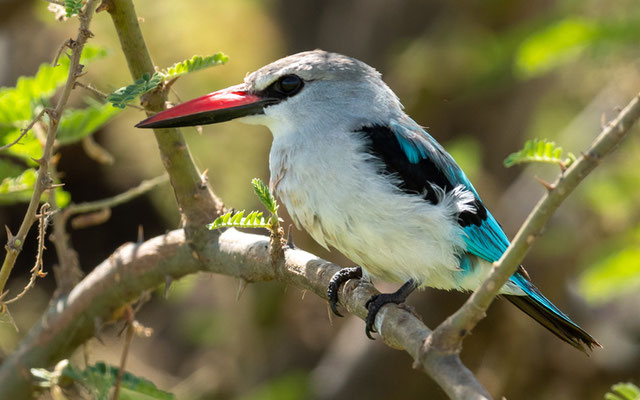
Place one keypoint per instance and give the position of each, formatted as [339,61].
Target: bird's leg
[338,279]
[375,303]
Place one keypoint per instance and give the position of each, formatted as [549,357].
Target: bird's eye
[288,85]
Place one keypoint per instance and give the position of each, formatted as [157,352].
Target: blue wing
[484,236]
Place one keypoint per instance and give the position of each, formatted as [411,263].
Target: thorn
[523,272]
[87,32]
[2,296]
[10,238]
[290,243]
[97,326]
[204,179]
[140,238]
[547,185]
[104,6]
[242,285]
[168,280]
[304,292]
[170,83]
[603,120]
[55,185]
[39,161]
[51,112]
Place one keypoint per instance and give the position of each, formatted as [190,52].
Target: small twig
[125,351]
[63,46]
[38,269]
[103,95]
[5,312]
[25,130]
[97,152]
[118,199]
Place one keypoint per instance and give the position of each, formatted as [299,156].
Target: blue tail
[548,315]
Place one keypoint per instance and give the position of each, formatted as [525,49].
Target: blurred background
[482,76]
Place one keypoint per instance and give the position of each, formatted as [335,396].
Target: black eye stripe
[285,86]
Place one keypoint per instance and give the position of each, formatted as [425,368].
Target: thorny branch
[38,269]
[44,181]
[24,131]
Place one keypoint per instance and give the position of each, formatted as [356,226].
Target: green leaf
[18,189]
[542,151]
[20,104]
[126,94]
[616,272]
[623,391]
[17,103]
[72,7]
[100,378]
[265,196]
[253,220]
[196,63]
[76,124]
[554,44]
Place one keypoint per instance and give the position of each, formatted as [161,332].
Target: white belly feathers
[340,198]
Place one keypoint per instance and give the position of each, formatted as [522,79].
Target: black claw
[338,279]
[376,302]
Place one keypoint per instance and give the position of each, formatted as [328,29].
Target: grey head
[333,89]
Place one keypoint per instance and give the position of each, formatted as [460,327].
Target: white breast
[332,189]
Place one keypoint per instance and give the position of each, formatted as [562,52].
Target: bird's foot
[338,279]
[376,302]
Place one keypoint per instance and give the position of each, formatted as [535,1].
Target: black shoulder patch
[414,178]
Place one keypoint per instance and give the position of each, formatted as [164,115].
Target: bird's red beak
[220,106]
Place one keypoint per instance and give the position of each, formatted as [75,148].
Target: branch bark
[198,204]
[137,267]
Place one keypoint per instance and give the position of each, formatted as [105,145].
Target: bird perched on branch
[360,175]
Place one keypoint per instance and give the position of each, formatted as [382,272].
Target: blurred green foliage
[291,386]
[19,105]
[623,391]
[614,269]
